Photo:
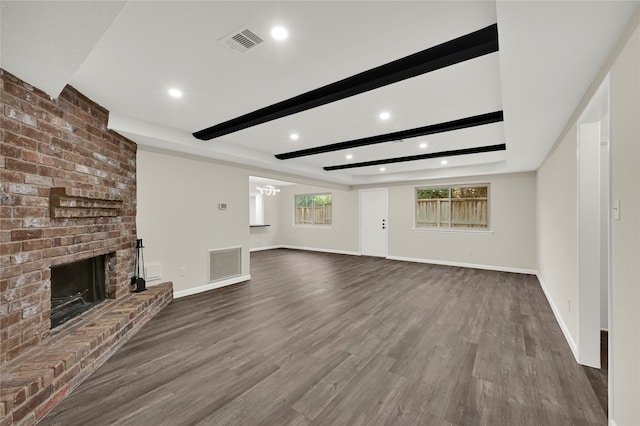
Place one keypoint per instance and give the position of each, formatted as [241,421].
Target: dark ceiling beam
[469,46]
[452,153]
[462,123]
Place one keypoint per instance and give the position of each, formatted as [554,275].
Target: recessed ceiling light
[348,156]
[443,162]
[175,93]
[279,33]
[423,145]
[382,169]
[294,136]
[384,115]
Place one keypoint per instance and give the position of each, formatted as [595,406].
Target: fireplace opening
[76,287]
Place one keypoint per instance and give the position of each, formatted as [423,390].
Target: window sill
[313,226]
[455,231]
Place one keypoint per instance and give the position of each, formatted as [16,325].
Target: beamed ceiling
[484,87]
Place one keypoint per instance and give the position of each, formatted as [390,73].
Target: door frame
[590,246]
[598,110]
[386,213]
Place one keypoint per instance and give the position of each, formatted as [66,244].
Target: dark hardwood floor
[325,339]
[599,377]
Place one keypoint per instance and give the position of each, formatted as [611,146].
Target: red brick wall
[50,143]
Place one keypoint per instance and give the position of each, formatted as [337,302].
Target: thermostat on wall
[222,206]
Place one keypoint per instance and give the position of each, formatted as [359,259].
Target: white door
[373,222]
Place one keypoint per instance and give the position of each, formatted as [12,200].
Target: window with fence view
[453,207]
[313,209]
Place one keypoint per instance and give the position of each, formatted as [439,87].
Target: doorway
[590,244]
[373,222]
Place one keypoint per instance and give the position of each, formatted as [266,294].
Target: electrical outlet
[469,253]
[569,303]
[182,271]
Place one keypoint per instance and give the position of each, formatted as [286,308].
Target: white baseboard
[352,253]
[210,286]
[612,422]
[464,265]
[264,248]
[563,326]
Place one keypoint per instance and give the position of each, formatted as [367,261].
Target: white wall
[509,246]
[557,238]
[178,216]
[625,149]
[342,236]
[268,236]
[557,205]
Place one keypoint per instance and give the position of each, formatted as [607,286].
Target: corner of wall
[561,323]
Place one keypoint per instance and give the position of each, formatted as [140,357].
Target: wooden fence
[322,215]
[454,213]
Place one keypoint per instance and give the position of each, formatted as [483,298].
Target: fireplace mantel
[72,203]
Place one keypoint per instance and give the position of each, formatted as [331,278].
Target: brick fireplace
[68,193]
[54,149]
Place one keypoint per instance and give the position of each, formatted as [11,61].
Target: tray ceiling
[134,52]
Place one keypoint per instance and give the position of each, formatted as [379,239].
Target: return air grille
[224,263]
[242,39]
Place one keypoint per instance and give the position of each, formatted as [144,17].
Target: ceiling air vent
[241,39]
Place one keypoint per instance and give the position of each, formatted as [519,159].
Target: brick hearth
[38,380]
[67,193]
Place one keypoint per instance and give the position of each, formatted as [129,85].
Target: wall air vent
[241,39]
[224,263]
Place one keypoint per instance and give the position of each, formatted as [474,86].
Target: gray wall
[342,236]
[509,245]
[178,216]
[268,236]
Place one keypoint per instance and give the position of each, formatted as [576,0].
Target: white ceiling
[126,55]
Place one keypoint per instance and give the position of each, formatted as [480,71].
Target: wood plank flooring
[599,377]
[325,339]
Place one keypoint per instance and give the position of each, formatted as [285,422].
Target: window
[313,209]
[452,207]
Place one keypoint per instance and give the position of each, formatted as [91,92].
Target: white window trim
[307,225]
[487,230]
[311,225]
[454,230]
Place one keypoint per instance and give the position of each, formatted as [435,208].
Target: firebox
[76,287]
